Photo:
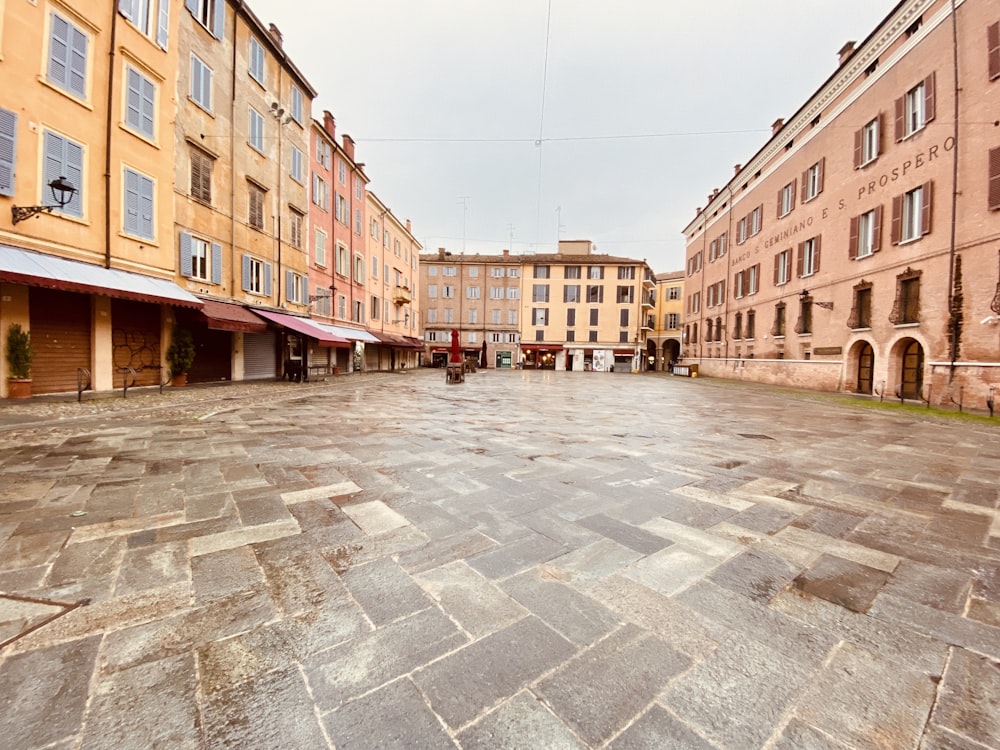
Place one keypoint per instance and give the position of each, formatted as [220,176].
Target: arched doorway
[912,371]
[866,366]
[671,353]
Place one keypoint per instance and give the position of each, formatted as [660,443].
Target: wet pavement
[524,560]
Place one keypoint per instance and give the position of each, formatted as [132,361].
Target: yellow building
[88,101]
[665,338]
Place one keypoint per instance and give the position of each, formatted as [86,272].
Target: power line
[569,138]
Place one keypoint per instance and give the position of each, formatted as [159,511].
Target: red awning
[542,347]
[304,326]
[624,352]
[19,266]
[221,316]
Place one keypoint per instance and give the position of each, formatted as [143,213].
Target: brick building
[858,249]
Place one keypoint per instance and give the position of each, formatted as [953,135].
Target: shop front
[540,356]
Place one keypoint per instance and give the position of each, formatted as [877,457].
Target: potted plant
[19,362]
[180,355]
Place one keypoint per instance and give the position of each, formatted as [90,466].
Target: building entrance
[912,385]
[866,364]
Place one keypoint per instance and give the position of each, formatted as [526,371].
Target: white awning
[351,334]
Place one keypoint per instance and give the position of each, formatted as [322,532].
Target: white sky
[444,99]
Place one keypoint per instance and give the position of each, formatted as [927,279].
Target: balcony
[647,324]
[648,280]
[402,295]
[649,299]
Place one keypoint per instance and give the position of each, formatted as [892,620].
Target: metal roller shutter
[260,359]
[60,339]
[135,341]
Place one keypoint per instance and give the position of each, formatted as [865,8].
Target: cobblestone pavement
[525,560]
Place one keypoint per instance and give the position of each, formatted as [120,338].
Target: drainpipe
[954,316]
[107,144]
[729,264]
[232,172]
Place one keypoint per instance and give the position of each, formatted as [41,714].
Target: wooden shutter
[127,9]
[859,139]
[800,261]
[8,150]
[900,118]
[289,280]
[778,213]
[131,202]
[267,279]
[78,62]
[791,203]
[877,230]
[146,228]
[246,273]
[993,49]
[58,67]
[163,24]
[305,290]
[722,292]
[817,242]
[819,177]
[930,98]
[133,99]
[852,247]
[994,179]
[191,5]
[805,187]
[219,19]
[186,263]
[777,261]
[927,194]
[147,103]
[896,228]
[216,263]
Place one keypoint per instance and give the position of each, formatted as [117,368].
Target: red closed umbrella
[456,355]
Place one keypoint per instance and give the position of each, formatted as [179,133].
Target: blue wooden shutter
[192,6]
[267,279]
[187,266]
[219,19]
[127,9]
[216,263]
[73,170]
[8,150]
[131,202]
[146,207]
[59,51]
[305,290]
[289,280]
[246,273]
[78,62]
[148,104]
[163,24]
[133,99]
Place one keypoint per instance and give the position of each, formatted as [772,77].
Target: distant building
[665,338]
[844,255]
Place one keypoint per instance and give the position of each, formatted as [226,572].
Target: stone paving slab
[528,560]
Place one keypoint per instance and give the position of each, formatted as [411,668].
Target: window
[255,213]
[571,293]
[256,276]
[342,171]
[626,272]
[751,324]
[741,231]
[359,269]
[256,130]
[64,158]
[256,61]
[512,317]
[571,316]
[993,189]
[140,102]
[141,14]
[473,292]
[473,337]
[432,291]
[861,313]
[320,192]
[495,316]
[866,233]
[540,293]
[432,335]
[812,180]
[906,308]
[296,105]
[595,272]
[496,272]
[473,315]
[570,335]
[539,335]
[341,264]
[496,338]
[358,311]
[67,65]
[592,336]
[201,84]
[296,168]
[138,211]
[804,324]
[201,175]
[623,337]
[343,210]
[673,292]
[321,248]
[199,259]
[808,257]
[473,272]
[786,199]
[295,221]
[448,292]
[541,272]
[496,292]
[717,247]
[782,267]
[324,155]
[375,269]
[513,293]
[209,13]
[753,279]
[623,316]
[739,284]
[342,306]
[539,316]
[754,220]
[513,273]
[695,302]
[738,329]
[358,188]
[448,271]
[296,288]
[595,293]
[911,214]
[8,150]
[993,50]
[867,142]
[673,321]
[430,313]
[778,329]
[594,314]
[626,294]
[571,272]
[915,109]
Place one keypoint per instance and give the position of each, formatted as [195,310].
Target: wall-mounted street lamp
[62,193]
[804,296]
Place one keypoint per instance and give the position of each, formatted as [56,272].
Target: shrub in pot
[18,362]
[180,355]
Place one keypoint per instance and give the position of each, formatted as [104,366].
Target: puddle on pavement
[754,436]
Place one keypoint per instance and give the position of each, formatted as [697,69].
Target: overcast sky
[648,104]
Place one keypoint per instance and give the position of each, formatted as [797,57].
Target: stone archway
[671,352]
[906,363]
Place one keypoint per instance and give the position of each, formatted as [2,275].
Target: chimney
[777,125]
[737,168]
[441,252]
[846,51]
[348,146]
[276,35]
[409,230]
[329,124]
[506,253]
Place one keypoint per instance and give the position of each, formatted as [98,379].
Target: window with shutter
[256,61]
[138,216]
[993,50]
[993,191]
[216,263]
[255,215]
[201,83]
[64,158]
[8,150]
[186,264]
[67,64]
[256,130]
[201,175]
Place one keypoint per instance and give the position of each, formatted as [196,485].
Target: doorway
[912,385]
[866,365]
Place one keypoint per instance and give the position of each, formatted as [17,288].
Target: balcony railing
[648,324]
[402,295]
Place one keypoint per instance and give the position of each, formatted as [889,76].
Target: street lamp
[62,193]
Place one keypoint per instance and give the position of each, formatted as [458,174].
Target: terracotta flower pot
[179,380]
[18,388]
